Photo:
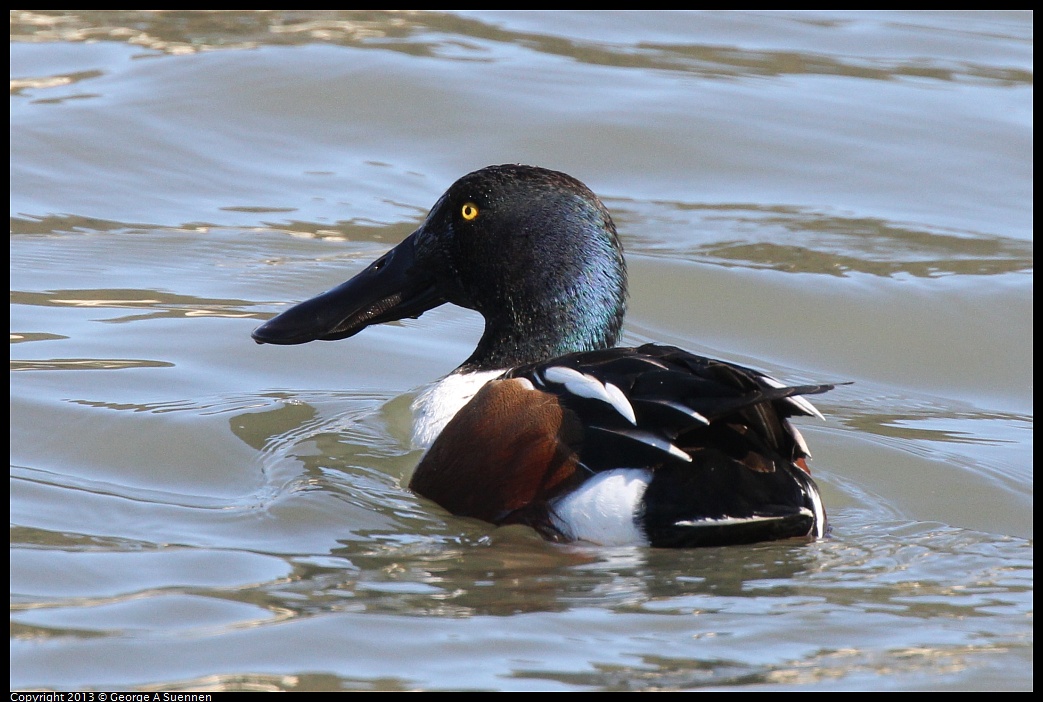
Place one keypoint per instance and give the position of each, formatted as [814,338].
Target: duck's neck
[586,316]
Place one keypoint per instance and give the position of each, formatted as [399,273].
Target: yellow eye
[469,211]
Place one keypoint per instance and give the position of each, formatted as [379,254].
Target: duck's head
[533,250]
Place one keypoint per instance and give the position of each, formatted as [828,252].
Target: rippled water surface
[828,196]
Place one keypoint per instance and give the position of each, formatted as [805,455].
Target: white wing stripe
[583,385]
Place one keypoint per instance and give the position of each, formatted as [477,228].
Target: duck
[548,423]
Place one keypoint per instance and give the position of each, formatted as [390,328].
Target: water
[827,196]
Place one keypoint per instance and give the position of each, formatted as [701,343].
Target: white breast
[435,406]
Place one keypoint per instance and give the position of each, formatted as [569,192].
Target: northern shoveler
[547,423]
